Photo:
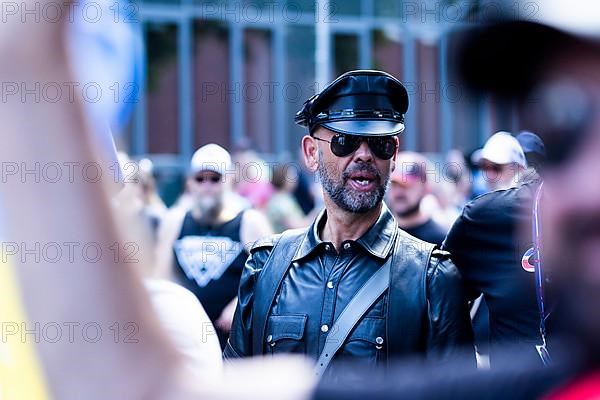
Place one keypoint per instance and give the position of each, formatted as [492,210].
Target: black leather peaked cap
[363,102]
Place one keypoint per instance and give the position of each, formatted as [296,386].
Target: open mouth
[363,180]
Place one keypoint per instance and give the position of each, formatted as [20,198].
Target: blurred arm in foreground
[77,210]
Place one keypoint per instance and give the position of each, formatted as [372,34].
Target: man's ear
[310,153]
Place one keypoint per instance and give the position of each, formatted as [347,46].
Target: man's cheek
[334,170]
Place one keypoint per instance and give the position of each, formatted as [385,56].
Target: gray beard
[348,199]
[208,211]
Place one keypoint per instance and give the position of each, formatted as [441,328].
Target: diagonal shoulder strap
[274,269]
[407,301]
[352,313]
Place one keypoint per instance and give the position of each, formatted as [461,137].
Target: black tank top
[209,261]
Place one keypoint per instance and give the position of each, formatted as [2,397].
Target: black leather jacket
[320,282]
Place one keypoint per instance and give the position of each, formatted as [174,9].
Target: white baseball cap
[503,148]
[210,157]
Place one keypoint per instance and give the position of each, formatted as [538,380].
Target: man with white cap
[484,246]
[502,161]
[204,247]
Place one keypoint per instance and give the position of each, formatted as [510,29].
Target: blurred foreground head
[550,66]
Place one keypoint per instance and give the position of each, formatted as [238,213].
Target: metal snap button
[330,285]
[324,328]
[347,246]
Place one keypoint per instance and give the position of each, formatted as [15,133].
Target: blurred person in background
[485,245]
[479,185]
[502,161]
[352,286]
[304,191]
[204,248]
[129,198]
[283,210]
[154,206]
[408,188]
[253,185]
[440,203]
[459,173]
[138,195]
[449,190]
[535,153]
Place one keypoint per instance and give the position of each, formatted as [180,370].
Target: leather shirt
[322,280]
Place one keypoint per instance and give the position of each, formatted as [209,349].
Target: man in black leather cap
[301,291]
[557,85]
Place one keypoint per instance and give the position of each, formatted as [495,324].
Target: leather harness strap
[269,281]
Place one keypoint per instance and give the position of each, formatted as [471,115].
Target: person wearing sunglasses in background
[204,247]
[352,286]
[502,161]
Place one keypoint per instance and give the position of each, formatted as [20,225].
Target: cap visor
[495,158]
[364,127]
[205,168]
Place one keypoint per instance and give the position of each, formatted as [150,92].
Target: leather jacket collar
[378,240]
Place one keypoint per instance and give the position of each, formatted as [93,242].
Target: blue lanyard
[539,275]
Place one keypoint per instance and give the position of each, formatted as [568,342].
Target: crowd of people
[202,241]
[387,273]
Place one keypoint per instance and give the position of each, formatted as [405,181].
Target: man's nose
[363,153]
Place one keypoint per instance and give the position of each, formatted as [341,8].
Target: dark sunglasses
[491,167]
[383,147]
[213,179]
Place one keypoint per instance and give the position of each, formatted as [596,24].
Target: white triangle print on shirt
[206,258]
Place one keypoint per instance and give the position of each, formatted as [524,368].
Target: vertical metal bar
[236,80]
[184,58]
[367,9]
[447,128]
[366,42]
[323,44]
[139,140]
[365,55]
[410,77]
[279,131]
